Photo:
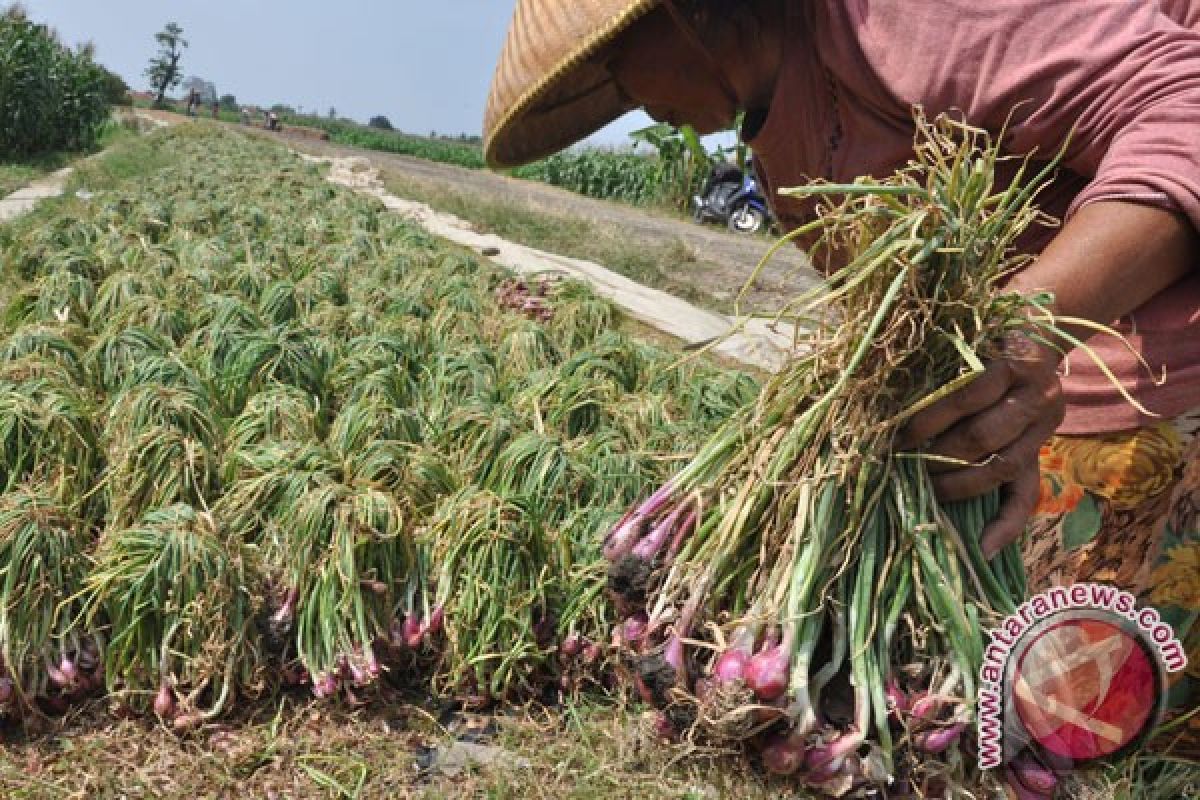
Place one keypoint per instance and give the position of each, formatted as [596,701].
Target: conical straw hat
[547,93]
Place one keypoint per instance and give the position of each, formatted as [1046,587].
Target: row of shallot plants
[797,589]
[255,433]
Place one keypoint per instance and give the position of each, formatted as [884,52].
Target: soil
[726,259]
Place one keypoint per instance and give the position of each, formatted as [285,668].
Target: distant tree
[381,122]
[206,91]
[332,112]
[164,72]
[229,102]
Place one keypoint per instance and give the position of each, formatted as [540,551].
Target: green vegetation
[270,398]
[381,138]
[134,156]
[606,174]
[667,176]
[20,173]
[52,98]
[14,176]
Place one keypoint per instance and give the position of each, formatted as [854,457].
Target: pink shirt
[1126,72]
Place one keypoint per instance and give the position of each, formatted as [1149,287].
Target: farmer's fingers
[981,393]
[1020,501]
[1001,468]
[1036,409]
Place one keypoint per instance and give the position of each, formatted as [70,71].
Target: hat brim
[574,98]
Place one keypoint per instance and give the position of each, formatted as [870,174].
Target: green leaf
[1082,524]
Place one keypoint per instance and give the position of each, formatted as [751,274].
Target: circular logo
[1086,686]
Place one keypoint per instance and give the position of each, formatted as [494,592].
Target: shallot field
[297,500]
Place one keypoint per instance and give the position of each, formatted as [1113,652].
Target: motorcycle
[732,198]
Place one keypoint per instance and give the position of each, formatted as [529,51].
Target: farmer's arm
[1123,82]
[1109,259]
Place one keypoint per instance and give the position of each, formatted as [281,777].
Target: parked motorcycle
[731,197]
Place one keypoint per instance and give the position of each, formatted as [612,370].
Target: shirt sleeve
[1119,77]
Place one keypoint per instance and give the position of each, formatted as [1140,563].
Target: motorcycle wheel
[747,219]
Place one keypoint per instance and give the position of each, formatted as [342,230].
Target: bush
[51,98]
[116,91]
[381,122]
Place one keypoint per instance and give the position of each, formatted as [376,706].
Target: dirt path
[724,260]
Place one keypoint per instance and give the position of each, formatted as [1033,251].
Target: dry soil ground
[723,261]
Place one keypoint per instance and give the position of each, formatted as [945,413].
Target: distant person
[216,107]
[245,116]
[192,100]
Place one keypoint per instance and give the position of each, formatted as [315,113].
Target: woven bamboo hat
[547,93]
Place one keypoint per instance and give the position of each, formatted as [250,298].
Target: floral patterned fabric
[1124,509]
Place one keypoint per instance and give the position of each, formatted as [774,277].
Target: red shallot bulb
[413,631]
[767,672]
[731,666]
[571,645]
[634,627]
[663,728]
[939,740]
[164,702]
[784,753]
[1033,775]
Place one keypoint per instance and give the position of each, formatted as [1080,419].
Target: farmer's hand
[991,431]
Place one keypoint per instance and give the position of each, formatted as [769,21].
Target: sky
[424,64]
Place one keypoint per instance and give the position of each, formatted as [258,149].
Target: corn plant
[51,98]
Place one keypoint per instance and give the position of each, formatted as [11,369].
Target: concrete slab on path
[23,200]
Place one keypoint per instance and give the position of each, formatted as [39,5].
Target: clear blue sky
[425,65]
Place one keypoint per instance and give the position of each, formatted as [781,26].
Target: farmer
[828,87]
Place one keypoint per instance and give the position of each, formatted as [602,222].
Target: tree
[116,91]
[332,112]
[381,122]
[164,72]
[206,91]
[229,102]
